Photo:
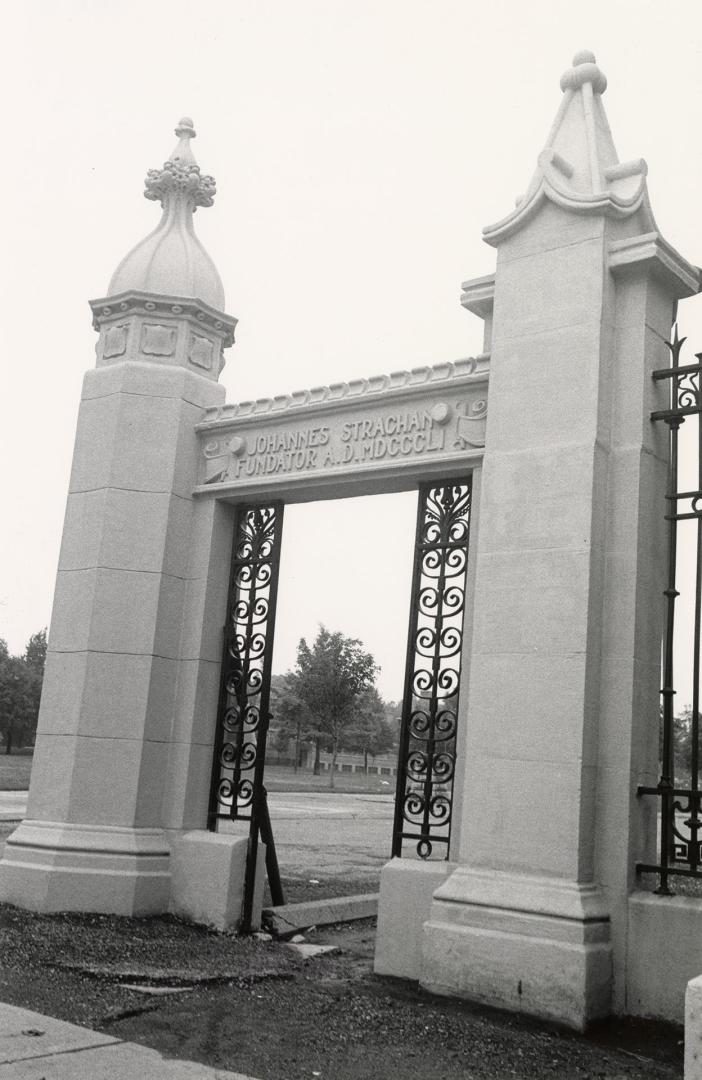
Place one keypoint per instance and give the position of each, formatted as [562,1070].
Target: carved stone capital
[147,328]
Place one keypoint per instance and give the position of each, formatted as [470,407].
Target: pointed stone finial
[171,260]
[183,151]
[584,70]
[578,169]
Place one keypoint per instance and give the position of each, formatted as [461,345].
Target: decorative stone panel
[201,352]
[158,340]
[115,342]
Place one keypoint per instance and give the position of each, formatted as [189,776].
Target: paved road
[316,834]
[322,835]
[12,805]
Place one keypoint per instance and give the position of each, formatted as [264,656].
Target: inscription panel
[391,429]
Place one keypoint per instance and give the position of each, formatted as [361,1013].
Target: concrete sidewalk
[36,1047]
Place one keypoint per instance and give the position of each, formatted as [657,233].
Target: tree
[288,714]
[682,746]
[35,652]
[329,677]
[371,731]
[20,690]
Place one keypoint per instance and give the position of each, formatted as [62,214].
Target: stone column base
[534,945]
[51,866]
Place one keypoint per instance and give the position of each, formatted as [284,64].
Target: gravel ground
[258,1007]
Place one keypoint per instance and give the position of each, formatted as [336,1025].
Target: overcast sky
[359,148]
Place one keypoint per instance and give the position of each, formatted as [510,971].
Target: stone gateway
[539,568]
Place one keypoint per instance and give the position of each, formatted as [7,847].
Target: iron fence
[680,807]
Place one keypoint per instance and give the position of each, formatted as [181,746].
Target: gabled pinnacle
[578,169]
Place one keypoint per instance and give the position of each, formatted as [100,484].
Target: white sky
[359,146]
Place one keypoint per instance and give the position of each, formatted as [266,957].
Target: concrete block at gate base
[693,1029]
[406,890]
[664,937]
[208,874]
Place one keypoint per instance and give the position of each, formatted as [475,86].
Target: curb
[289,919]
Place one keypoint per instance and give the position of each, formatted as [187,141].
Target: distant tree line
[682,746]
[20,691]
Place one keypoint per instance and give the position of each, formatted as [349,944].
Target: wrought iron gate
[427,755]
[242,719]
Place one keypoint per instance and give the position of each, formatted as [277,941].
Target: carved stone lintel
[415,419]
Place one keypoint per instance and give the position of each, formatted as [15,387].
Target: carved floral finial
[171,261]
[181,175]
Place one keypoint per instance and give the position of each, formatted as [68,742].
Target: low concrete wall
[664,954]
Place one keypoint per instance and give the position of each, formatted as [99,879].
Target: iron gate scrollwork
[244,699]
[427,755]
